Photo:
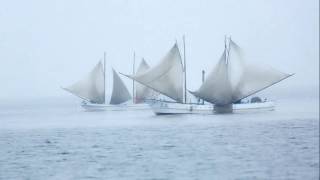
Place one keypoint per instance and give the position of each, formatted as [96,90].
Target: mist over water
[51,139]
[45,134]
[46,45]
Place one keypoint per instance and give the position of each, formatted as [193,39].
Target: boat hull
[120,107]
[167,108]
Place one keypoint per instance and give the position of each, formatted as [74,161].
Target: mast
[185,73]
[104,75]
[226,48]
[227,51]
[203,78]
[133,93]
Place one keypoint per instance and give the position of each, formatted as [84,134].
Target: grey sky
[48,44]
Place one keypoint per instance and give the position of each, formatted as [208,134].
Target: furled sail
[233,79]
[91,88]
[143,92]
[167,77]
[120,93]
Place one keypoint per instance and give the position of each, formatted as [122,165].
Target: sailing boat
[233,79]
[92,90]
[230,81]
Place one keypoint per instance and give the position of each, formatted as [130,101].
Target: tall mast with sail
[166,77]
[185,69]
[232,79]
[133,72]
[104,75]
[90,88]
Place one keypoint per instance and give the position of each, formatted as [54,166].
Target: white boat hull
[109,107]
[166,108]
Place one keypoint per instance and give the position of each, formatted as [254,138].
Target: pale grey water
[57,140]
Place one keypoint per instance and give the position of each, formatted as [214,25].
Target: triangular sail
[120,93]
[91,88]
[167,77]
[251,77]
[216,88]
[143,92]
[233,79]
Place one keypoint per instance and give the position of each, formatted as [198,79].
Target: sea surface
[51,139]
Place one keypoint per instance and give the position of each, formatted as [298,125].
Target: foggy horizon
[46,45]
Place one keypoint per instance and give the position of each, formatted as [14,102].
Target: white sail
[91,88]
[120,93]
[216,88]
[167,77]
[143,92]
[251,77]
[233,79]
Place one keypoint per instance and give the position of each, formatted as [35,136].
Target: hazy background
[48,44]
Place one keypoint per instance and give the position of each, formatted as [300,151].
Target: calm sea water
[55,140]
